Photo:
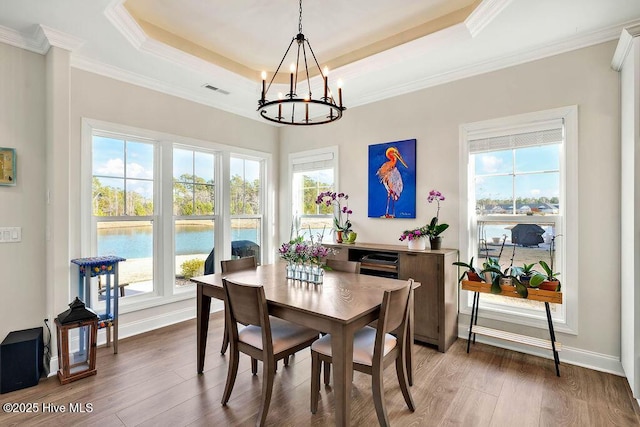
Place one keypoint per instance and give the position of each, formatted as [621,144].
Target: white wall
[433,117]
[22,126]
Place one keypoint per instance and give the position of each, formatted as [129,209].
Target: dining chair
[346,266]
[229,266]
[373,350]
[265,338]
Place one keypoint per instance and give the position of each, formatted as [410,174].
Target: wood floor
[153,382]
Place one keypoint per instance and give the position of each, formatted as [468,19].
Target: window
[520,190]
[160,202]
[193,210]
[123,206]
[246,207]
[312,172]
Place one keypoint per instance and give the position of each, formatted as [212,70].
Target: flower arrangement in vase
[340,202]
[304,259]
[435,228]
[416,238]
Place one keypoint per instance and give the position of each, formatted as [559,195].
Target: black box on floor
[21,363]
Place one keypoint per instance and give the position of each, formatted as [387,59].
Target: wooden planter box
[510,291]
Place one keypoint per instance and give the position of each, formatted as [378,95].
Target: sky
[109,164]
[538,166]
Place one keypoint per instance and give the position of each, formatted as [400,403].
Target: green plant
[549,275]
[525,271]
[493,267]
[329,198]
[192,267]
[434,228]
[469,269]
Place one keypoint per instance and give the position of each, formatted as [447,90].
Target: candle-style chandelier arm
[325,109]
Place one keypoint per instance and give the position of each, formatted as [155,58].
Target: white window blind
[518,140]
[311,163]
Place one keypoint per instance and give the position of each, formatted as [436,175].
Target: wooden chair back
[231,265]
[346,266]
[394,312]
[245,304]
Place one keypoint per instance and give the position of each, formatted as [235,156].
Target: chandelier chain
[300,19]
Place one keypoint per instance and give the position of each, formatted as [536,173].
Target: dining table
[342,304]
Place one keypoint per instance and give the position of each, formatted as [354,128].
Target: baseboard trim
[141,326]
[570,355]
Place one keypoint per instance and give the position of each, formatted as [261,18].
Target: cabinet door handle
[411,254]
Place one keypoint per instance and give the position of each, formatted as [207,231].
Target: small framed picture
[7,166]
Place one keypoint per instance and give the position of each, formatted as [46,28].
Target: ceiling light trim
[483,14]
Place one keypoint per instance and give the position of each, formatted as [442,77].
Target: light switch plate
[10,234]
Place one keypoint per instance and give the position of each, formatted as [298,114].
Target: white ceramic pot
[417,244]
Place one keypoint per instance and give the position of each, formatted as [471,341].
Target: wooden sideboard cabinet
[435,301]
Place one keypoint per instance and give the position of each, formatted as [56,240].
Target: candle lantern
[77,335]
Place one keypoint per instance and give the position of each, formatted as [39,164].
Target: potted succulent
[472,273]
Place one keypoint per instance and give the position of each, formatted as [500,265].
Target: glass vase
[290,268]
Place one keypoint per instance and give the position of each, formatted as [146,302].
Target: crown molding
[482,15]
[533,54]
[120,18]
[40,40]
[47,37]
[17,39]
[624,46]
[96,67]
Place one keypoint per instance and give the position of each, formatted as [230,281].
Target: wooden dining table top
[341,297]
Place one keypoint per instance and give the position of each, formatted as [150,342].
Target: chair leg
[231,375]
[225,339]
[378,396]
[267,388]
[315,380]
[286,362]
[401,371]
[254,366]
[326,366]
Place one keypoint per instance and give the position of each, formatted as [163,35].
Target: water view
[137,242]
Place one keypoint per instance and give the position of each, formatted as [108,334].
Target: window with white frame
[156,200]
[123,205]
[520,191]
[246,206]
[312,172]
[193,211]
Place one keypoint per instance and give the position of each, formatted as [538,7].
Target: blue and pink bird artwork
[392,179]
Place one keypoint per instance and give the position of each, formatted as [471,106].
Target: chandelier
[297,106]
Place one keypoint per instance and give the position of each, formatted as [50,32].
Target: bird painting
[390,177]
[392,180]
